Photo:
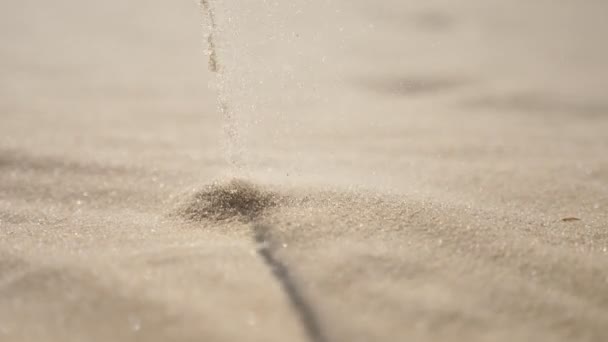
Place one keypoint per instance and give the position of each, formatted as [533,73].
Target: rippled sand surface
[409,171]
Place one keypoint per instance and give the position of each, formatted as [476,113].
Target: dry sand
[409,167]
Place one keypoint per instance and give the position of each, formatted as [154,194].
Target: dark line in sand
[303,308]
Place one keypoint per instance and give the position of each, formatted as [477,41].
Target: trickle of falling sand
[212,50]
[233,146]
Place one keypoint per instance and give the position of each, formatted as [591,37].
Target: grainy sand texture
[348,171]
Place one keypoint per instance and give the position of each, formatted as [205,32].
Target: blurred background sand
[431,151]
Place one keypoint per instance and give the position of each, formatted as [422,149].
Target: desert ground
[390,170]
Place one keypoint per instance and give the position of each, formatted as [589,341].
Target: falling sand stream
[242,200]
[233,146]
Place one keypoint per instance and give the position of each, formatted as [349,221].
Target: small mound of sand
[237,199]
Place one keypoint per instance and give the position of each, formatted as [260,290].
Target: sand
[395,171]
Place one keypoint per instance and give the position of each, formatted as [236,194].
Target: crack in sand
[239,200]
[308,318]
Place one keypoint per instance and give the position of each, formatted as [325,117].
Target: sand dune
[398,171]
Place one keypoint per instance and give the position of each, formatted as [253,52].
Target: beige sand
[412,163]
